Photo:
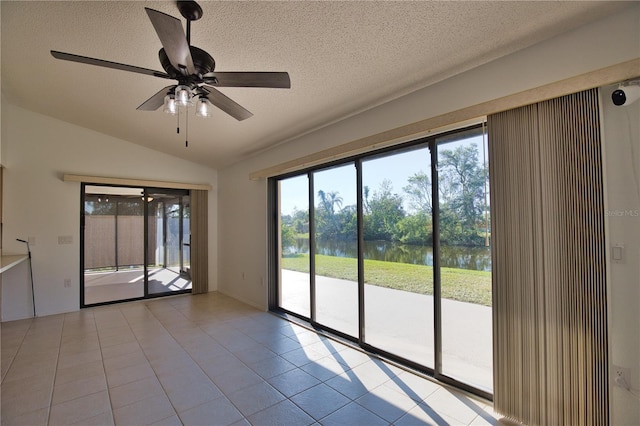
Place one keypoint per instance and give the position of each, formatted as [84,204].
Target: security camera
[626,94]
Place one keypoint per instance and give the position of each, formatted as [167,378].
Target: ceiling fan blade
[279,80]
[226,104]
[157,100]
[173,39]
[107,64]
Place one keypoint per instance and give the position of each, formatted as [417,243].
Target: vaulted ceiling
[342,58]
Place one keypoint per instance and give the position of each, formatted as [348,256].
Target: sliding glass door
[294,281]
[398,271]
[167,241]
[465,259]
[135,243]
[335,255]
[113,244]
[392,250]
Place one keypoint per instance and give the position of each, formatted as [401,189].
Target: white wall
[621,146]
[36,152]
[243,212]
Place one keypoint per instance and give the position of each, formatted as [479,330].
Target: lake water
[474,258]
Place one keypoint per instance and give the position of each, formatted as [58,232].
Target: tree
[385,212]
[326,220]
[461,184]
[287,237]
[300,221]
[419,192]
[329,200]
[414,229]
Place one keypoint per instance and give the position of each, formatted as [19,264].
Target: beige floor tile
[129,374]
[33,418]
[116,339]
[219,412]
[11,389]
[168,421]
[135,391]
[192,395]
[79,409]
[125,360]
[168,365]
[78,388]
[206,360]
[255,398]
[454,404]
[121,349]
[23,371]
[386,403]
[25,402]
[413,386]
[277,413]
[355,414]
[28,356]
[147,411]
[423,414]
[79,346]
[182,377]
[69,374]
[75,359]
[102,419]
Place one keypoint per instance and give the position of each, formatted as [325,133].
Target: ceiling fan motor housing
[202,61]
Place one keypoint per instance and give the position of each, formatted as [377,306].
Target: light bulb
[203,108]
[170,106]
[183,96]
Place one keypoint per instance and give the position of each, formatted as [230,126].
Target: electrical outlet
[67,282]
[65,239]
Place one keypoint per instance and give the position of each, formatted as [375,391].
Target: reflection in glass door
[398,297]
[167,225]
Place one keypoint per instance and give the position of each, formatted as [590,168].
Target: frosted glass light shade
[183,96]
[203,107]
[170,106]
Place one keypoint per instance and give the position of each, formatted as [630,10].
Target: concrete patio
[401,322]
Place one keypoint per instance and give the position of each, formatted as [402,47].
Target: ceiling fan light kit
[170,105]
[193,68]
[204,107]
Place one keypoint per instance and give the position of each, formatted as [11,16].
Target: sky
[395,167]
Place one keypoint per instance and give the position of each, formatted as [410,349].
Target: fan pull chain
[186,136]
[178,123]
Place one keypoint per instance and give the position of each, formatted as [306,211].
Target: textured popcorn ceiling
[343,57]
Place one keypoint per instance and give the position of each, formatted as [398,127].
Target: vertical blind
[199,241]
[549,289]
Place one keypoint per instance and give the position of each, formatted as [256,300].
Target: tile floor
[207,360]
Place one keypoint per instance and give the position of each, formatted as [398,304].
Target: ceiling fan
[193,68]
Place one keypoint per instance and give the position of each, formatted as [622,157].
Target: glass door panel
[465,258]
[293,246]
[186,236]
[398,259]
[113,244]
[336,249]
[166,221]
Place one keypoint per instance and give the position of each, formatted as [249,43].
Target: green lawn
[457,284]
